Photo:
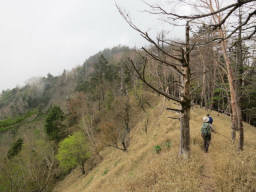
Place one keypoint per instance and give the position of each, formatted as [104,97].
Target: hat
[205,119]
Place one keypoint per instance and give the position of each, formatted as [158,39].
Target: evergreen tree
[15,148]
[54,126]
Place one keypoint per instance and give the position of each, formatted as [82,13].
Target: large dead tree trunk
[185,101]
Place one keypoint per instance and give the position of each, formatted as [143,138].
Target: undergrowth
[236,172]
[9,123]
[145,169]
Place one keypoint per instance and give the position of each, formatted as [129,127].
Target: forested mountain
[103,100]
[36,117]
[112,109]
[40,92]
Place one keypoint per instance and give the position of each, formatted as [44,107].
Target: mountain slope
[41,92]
[142,169]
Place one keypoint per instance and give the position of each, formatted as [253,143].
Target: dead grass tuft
[236,172]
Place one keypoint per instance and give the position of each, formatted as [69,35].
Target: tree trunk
[159,69]
[233,93]
[213,81]
[124,145]
[185,101]
[184,131]
[239,84]
[122,80]
[82,168]
[203,92]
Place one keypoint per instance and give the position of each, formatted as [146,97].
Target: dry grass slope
[141,169]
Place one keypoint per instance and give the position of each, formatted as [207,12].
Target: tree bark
[213,81]
[185,131]
[203,92]
[82,168]
[239,83]
[233,94]
[185,101]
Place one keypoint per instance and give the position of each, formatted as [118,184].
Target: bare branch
[251,35]
[192,17]
[115,147]
[145,35]
[172,109]
[156,9]
[244,23]
[175,118]
[234,6]
[173,65]
[151,86]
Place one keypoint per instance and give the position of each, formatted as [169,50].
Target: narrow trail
[207,181]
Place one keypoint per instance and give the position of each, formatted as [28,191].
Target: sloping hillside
[41,92]
[143,169]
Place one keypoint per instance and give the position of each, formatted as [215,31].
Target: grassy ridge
[7,124]
[142,169]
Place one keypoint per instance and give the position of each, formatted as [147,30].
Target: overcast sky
[47,36]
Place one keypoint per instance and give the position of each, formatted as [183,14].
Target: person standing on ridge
[206,132]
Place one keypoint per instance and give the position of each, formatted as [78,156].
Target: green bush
[15,148]
[168,144]
[157,149]
[105,172]
[9,123]
[73,151]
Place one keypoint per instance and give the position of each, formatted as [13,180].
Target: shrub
[105,172]
[157,149]
[15,148]
[73,151]
[7,124]
[168,144]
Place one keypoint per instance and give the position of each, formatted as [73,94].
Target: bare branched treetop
[198,13]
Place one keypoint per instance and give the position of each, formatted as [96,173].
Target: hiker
[206,132]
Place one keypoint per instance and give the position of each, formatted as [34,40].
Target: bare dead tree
[178,61]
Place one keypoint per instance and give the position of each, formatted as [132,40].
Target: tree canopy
[73,151]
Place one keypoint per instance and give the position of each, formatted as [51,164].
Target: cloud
[39,37]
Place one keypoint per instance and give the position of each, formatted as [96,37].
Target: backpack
[210,120]
[206,129]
